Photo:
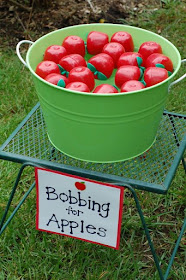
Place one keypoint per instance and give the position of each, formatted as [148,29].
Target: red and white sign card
[78,207]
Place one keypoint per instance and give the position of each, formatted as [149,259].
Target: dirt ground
[25,20]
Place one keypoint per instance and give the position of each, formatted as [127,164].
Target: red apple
[102,65]
[130,58]
[74,44]
[147,48]
[96,41]
[47,67]
[78,86]
[115,50]
[132,85]
[126,73]
[154,75]
[57,79]
[125,39]
[54,53]
[71,61]
[82,74]
[80,186]
[159,60]
[105,88]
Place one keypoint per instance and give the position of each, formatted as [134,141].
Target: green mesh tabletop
[153,171]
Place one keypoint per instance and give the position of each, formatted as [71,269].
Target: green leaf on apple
[101,76]
[139,61]
[91,67]
[160,65]
[62,70]
[61,83]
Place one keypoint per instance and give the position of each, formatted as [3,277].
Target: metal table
[153,171]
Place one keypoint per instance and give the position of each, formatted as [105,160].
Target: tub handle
[18,50]
[179,79]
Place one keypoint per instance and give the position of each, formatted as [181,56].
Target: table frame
[130,184]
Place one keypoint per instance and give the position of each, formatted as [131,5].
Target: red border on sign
[84,179]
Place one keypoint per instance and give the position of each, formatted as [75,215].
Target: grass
[29,254]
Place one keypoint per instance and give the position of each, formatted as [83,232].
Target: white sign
[78,207]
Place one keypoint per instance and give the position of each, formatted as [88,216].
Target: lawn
[29,254]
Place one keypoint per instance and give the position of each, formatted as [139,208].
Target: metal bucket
[100,127]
